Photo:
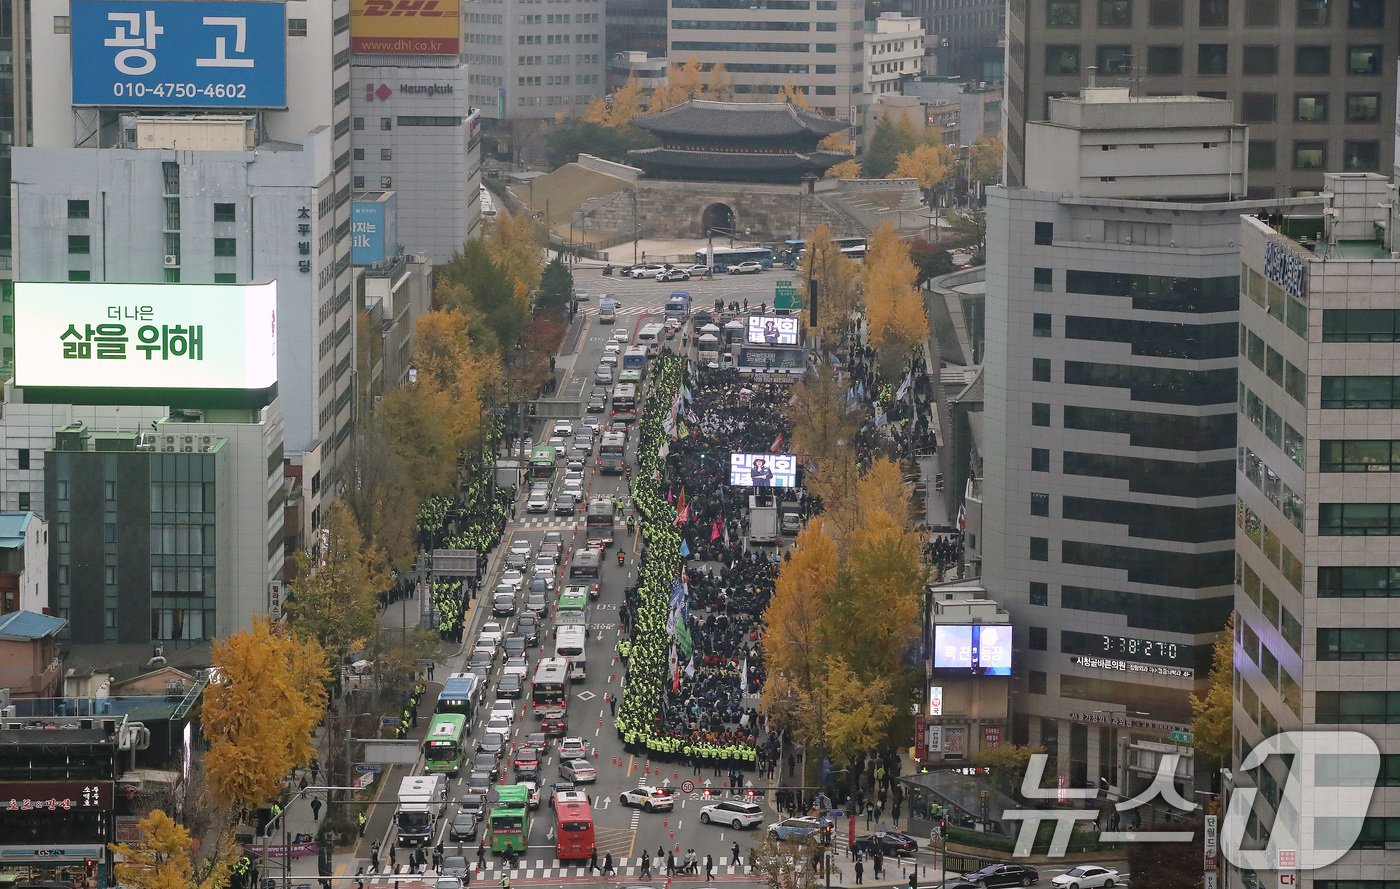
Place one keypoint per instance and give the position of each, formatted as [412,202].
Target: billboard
[404,27]
[367,232]
[976,648]
[146,336]
[773,330]
[763,470]
[179,54]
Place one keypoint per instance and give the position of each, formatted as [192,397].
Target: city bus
[442,748]
[650,337]
[612,453]
[542,462]
[601,520]
[573,830]
[574,597]
[635,358]
[624,402]
[460,694]
[550,687]
[508,821]
[570,642]
[584,566]
[727,256]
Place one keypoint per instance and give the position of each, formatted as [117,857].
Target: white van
[569,643]
[650,337]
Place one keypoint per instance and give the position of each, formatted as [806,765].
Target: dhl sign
[405,27]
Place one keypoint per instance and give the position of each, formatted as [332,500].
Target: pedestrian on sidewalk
[709,867]
[860,871]
[792,764]
[879,862]
[315,808]
[315,770]
[394,858]
[869,816]
[303,784]
[374,857]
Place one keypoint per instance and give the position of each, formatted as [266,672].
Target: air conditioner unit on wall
[172,259]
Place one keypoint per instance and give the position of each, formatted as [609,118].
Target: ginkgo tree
[1212,713]
[837,278]
[894,306]
[335,597]
[163,858]
[266,695]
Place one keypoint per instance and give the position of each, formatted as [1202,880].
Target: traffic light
[91,866]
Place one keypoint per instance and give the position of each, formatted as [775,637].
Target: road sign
[454,563]
[687,787]
[785,296]
[367,767]
[424,662]
[1181,737]
[389,721]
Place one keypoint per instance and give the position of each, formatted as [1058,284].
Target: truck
[508,474]
[422,799]
[607,309]
[677,305]
[763,519]
[790,519]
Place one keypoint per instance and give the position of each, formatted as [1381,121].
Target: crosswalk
[626,310]
[547,523]
[551,869]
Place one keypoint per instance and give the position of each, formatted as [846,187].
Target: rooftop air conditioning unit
[172,259]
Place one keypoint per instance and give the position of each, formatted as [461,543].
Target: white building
[815,45]
[530,64]
[894,53]
[1109,425]
[24,562]
[1318,516]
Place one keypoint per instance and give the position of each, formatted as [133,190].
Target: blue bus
[635,358]
[460,694]
[727,256]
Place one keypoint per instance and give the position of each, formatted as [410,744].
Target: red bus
[573,829]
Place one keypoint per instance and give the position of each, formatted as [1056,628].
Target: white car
[573,475]
[652,799]
[734,814]
[573,487]
[499,725]
[608,361]
[621,336]
[513,578]
[547,570]
[491,634]
[563,427]
[1087,876]
[612,348]
[538,501]
[746,268]
[572,748]
[502,707]
[522,547]
[646,271]
[516,666]
[579,771]
[700,269]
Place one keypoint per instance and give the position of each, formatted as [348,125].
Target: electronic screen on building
[976,648]
[405,27]
[763,470]
[773,330]
[179,53]
[146,336]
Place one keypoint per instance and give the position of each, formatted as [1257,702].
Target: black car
[510,686]
[554,722]
[597,403]
[889,843]
[528,628]
[487,762]
[479,784]
[473,804]
[996,875]
[515,646]
[463,827]
[481,663]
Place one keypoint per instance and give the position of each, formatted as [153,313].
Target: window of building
[1314,13]
[1358,644]
[1115,59]
[225,246]
[386,154]
[1164,60]
[79,275]
[172,276]
[1358,582]
[79,244]
[225,213]
[77,209]
[1040,504]
[1040,549]
[225,278]
[357,183]
[1040,460]
[1039,593]
[1357,392]
[386,181]
[1062,59]
[1039,638]
[1040,324]
[296,27]
[1361,156]
[23,500]
[1037,682]
[1164,13]
[386,123]
[1310,107]
[1259,108]
[1358,519]
[1309,155]
[24,458]
[1363,107]
[1043,279]
[1040,370]
[358,154]
[1366,13]
[1261,13]
[1364,60]
[1115,13]
[1362,707]
[1044,233]
[1062,14]
[1213,58]
[1040,414]
[62,24]
[1215,13]
[1261,60]
[1312,60]
[359,123]
[1262,154]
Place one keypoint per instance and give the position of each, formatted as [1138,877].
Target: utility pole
[636,229]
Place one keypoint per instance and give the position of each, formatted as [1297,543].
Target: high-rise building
[1109,424]
[965,36]
[1318,596]
[531,65]
[636,26]
[815,45]
[1313,79]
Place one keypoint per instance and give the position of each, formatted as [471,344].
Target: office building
[1109,425]
[129,183]
[1318,598]
[816,46]
[1313,79]
[894,53]
[530,65]
[965,36]
[636,26]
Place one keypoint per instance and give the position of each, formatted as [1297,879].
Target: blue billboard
[179,54]
[367,232]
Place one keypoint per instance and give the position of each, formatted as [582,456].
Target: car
[579,456]
[490,634]
[479,784]
[447,883]
[698,269]
[582,296]
[563,427]
[510,686]
[571,475]
[513,578]
[572,748]
[532,791]
[611,361]
[463,826]
[503,604]
[579,771]
[454,866]
[888,843]
[735,814]
[553,537]
[501,707]
[493,743]
[536,604]
[517,560]
[649,799]
[537,502]
[565,504]
[500,725]
[516,666]
[645,271]
[603,375]
[746,268]
[535,742]
[1087,876]
[526,758]
[554,722]
[673,275]
[489,652]
[592,424]
[795,828]
[473,804]
[995,875]
[514,645]
[612,347]
[528,628]
[521,546]
[481,662]
[552,549]
[486,761]
[542,584]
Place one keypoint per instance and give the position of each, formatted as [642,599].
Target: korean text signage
[366,232]
[146,336]
[404,27]
[1286,269]
[1104,663]
[56,796]
[179,54]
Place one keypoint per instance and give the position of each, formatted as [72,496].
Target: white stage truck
[763,520]
[422,799]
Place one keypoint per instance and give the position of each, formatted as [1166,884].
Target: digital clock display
[1128,648]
